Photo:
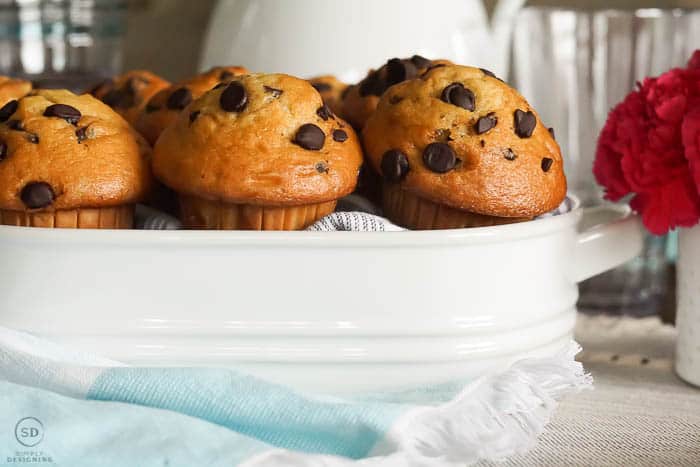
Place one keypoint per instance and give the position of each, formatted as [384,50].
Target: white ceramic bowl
[330,311]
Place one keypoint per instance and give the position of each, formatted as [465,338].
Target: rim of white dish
[219,238]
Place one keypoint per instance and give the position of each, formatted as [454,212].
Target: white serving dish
[330,311]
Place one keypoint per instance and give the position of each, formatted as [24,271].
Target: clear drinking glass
[574,65]
[61,43]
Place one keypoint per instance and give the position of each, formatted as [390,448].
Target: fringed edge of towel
[495,417]
[498,415]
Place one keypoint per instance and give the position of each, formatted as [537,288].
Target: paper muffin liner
[411,211]
[199,213]
[114,217]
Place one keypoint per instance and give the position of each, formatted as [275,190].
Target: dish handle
[608,236]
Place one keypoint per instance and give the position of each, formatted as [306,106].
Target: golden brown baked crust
[128,93]
[11,89]
[502,172]
[250,156]
[97,161]
[331,90]
[162,109]
[360,100]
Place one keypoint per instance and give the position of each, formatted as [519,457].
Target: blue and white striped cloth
[72,409]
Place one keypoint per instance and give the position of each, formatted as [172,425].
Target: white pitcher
[346,37]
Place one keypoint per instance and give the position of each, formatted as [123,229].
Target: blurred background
[167,36]
[572,59]
[182,27]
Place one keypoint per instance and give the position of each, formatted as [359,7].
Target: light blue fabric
[79,433]
[271,413]
[60,407]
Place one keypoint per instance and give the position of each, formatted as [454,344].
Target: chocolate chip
[130,86]
[36,195]
[421,62]
[113,98]
[324,112]
[393,100]
[81,134]
[524,123]
[15,125]
[234,98]
[398,71]
[457,94]
[225,75]
[150,108]
[274,91]
[482,143]
[179,99]
[128,95]
[510,155]
[485,123]
[100,85]
[551,132]
[193,116]
[32,138]
[66,112]
[340,136]
[322,167]
[394,165]
[321,87]
[3,150]
[439,157]
[546,164]
[7,110]
[310,137]
[373,85]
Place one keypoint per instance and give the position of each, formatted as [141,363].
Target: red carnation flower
[694,62]
[650,147]
[690,131]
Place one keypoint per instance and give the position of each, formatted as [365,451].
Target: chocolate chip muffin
[262,152]
[360,100]
[331,90]
[460,148]
[11,89]
[162,109]
[128,94]
[69,161]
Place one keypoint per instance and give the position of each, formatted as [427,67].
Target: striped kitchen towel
[60,407]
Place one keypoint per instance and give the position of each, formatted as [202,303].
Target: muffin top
[360,100]
[331,90]
[128,93]
[62,151]
[459,136]
[11,89]
[162,109]
[260,139]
